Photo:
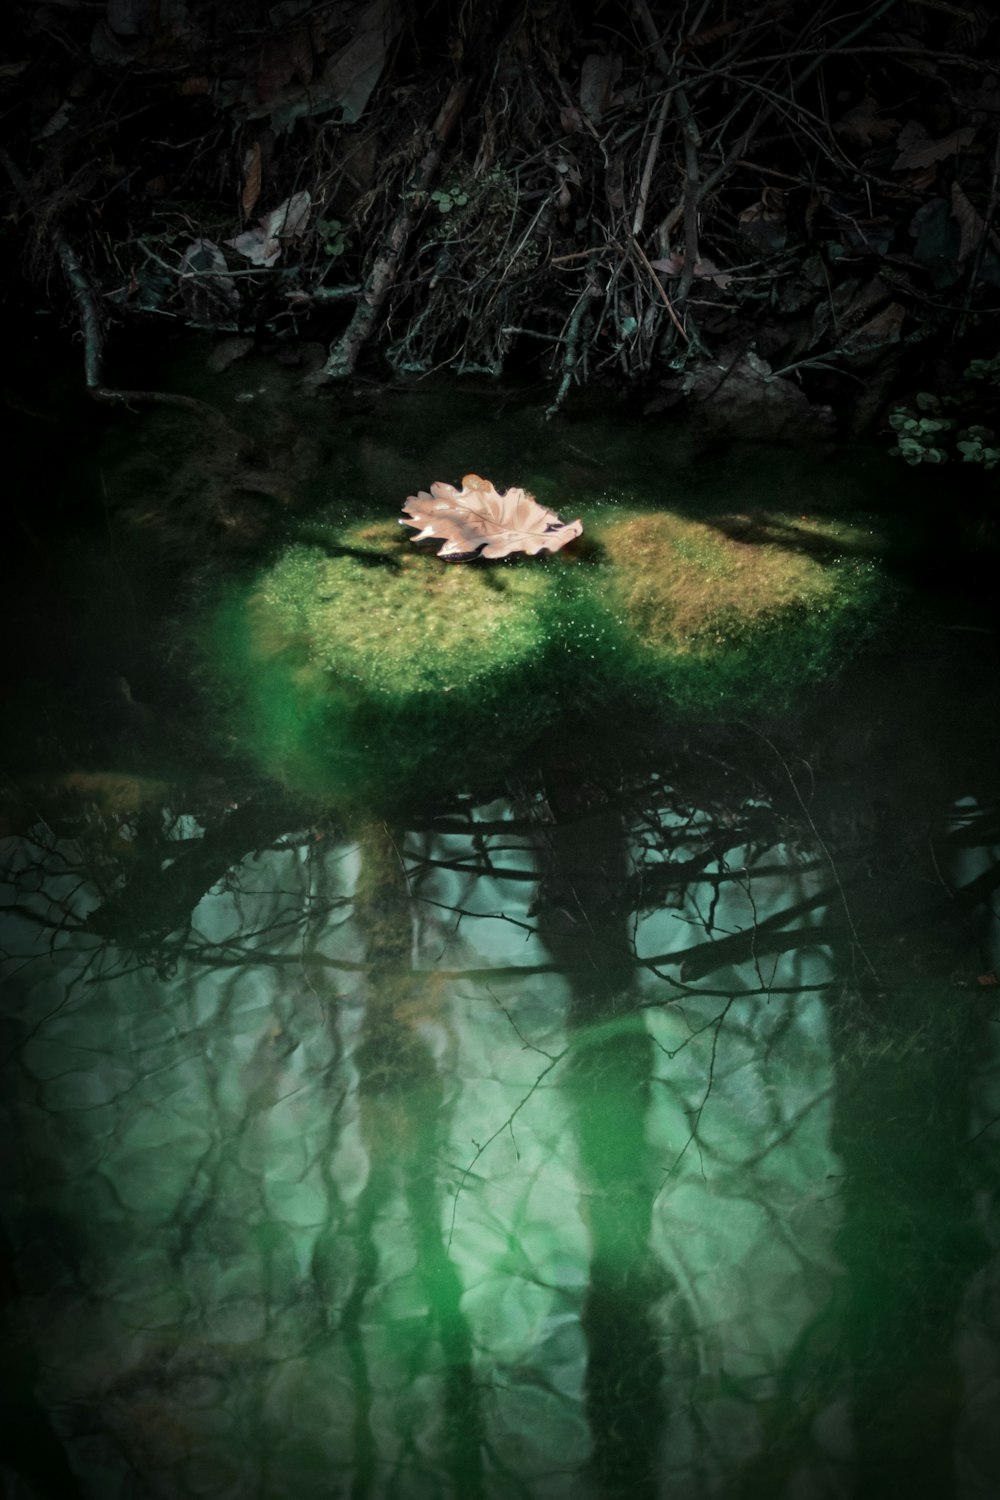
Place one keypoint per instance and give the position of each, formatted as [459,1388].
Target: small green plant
[918,438]
[977,446]
[928,436]
[984,369]
[334,236]
[445,199]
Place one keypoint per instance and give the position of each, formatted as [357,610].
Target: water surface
[617,1118]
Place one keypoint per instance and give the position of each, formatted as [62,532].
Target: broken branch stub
[478,521]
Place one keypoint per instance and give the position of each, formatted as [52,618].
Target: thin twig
[984,239]
[572,336]
[646,179]
[634,245]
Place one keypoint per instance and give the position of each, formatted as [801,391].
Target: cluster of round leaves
[928,435]
[334,235]
[445,199]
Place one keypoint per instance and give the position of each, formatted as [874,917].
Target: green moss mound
[737,612]
[359,667]
[378,612]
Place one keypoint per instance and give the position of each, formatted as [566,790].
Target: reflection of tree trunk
[909,1241]
[585,871]
[373,1198]
[608,1081]
[403,1127]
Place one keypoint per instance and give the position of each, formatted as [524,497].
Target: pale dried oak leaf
[477,520]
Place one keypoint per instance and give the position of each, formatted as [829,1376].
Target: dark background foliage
[662,199]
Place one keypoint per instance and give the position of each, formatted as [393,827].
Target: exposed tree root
[382,277]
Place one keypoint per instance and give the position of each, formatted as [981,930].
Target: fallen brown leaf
[477,520]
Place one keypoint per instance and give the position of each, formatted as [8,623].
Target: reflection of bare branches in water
[502,1129]
[140,896]
[617,1015]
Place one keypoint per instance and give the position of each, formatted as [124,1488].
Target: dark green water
[618,1121]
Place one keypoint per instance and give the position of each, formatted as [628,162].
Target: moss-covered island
[357,666]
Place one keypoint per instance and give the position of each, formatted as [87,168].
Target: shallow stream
[603,1106]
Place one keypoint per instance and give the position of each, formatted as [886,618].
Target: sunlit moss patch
[381,613]
[358,665]
[738,609]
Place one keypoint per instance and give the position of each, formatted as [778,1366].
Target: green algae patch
[737,612]
[359,668]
